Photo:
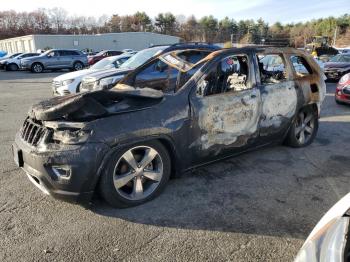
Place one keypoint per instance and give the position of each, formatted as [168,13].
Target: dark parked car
[109,78]
[56,59]
[342,92]
[92,59]
[337,66]
[127,141]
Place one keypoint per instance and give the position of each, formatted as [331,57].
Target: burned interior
[127,142]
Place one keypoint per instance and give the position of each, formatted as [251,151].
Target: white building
[112,41]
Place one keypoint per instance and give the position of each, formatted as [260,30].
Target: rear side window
[301,67]
[68,53]
[272,68]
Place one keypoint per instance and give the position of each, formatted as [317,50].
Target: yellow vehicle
[320,46]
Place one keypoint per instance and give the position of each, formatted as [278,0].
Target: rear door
[278,94]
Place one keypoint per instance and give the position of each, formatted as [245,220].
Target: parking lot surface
[259,206]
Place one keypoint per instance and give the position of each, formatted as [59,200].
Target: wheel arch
[9,65]
[37,62]
[163,139]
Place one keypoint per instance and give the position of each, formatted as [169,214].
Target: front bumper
[342,95]
[82,162]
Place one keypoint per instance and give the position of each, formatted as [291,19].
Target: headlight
[67,82]
[328,245]
[109,82]
[71,136]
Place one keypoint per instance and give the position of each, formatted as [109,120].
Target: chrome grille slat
[32,132]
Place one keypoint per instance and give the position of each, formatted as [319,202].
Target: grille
[32,132]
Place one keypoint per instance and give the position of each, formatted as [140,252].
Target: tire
[12,67]
[78,66]
[123,186]
[304,128]
[37,68]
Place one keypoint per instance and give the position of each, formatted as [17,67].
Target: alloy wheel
[78,66]
[305,126]
[138,173]
[38,68]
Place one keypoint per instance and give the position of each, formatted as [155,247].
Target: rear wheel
[12,67]
[78,66]
[37,68]
[136,174]
[304,129]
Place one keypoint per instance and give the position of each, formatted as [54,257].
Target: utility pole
[335,36]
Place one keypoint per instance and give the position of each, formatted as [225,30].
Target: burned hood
[91,105]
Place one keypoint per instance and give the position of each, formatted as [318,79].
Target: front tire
[37,68]
[304,128]
[136,174]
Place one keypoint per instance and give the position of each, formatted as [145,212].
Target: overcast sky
[270,10]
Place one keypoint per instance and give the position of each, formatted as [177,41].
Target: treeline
[208,28]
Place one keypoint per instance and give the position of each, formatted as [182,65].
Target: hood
[97,104]
[75,74]
[109,72]
[336,64]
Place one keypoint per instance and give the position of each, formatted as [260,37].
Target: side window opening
[272,68]
[231,74]
[301,66]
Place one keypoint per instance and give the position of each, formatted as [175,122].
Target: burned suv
[126,142]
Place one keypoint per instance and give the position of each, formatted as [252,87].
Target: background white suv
[70,83]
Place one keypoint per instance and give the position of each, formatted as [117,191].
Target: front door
[225,110]
[53,60]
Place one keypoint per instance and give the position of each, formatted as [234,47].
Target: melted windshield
[141,57]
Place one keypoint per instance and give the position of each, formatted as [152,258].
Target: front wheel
[136,174]
[37,68]
[304,129]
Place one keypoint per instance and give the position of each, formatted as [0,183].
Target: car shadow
[276,191]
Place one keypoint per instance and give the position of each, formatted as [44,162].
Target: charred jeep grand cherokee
[126,142]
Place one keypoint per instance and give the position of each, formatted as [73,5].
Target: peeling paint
[278,101]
